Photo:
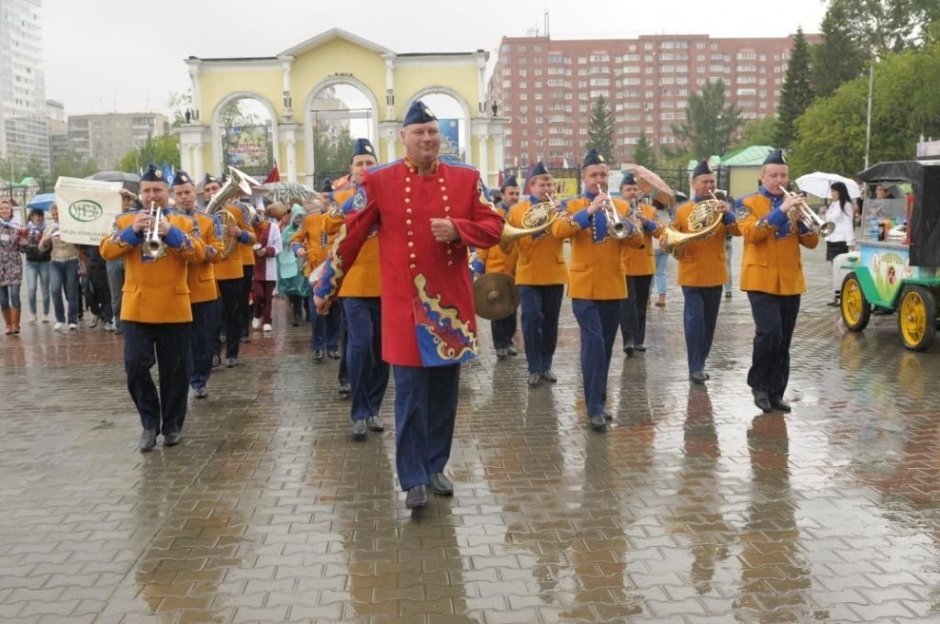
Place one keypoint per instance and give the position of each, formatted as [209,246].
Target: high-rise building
[23,134]
[108,137]
[546,88]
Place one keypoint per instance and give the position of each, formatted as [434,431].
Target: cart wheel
[917,318]
[856,311]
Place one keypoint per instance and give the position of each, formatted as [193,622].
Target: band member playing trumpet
[541,275]
[497,260]
[598,228]
[772,277]
[702,267]
[368,373]
[155,310]
[203,290]
[427,212]
[638,265]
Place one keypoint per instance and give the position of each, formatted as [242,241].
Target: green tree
[840,56]
[601,129]
[758,132]
[709,122]
[72,165]
[644,153]
[156,150]
[797,92]
[332,152]
[831,133]
[884,26]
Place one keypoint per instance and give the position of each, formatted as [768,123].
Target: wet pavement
[694,508]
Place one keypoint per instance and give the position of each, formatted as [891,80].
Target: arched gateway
[313,77]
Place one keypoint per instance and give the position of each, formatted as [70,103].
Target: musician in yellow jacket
[313,241]
[203,290]
[360,294]
[541,275]
[229,271]
[596,282]
[702,271]
[639,267]
[495,260]
[155,310]
[772,277]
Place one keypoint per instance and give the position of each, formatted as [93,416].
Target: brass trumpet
[809,218]
[154,247]
[615,223]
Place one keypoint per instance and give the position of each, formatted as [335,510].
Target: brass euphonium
[235,186]
[703,219]
[537,218]
[809,218]
[154,247]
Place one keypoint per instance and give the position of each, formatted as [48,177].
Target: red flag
[273,176]
[501,179]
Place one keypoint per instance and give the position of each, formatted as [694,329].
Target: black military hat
[628,179]
[181,178]
[703,168]
[775,157]
[362,147]
[326,186]
[536,170]
[153,174]
[593,157]
[418,113]
[510,181]
[210,179]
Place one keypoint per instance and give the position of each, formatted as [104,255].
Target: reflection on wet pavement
[693,508]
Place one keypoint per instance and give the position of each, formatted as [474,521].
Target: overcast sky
[118,55]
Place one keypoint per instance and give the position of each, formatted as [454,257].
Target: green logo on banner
[85,210]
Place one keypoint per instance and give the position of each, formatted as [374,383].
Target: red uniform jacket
[425,284]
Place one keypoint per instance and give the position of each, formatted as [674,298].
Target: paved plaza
[693,508]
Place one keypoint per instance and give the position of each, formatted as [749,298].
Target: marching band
[389,242]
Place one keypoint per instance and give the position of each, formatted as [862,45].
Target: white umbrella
[819,182]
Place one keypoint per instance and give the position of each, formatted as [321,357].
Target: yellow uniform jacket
[155,290]
[771,261]
[202,284]
[540,259]
[231,267]
[314,238]
[596,270]
[364,278]
[702,262]
[639,260]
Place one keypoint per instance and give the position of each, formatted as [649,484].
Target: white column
[498,157]
[291,160]
[389,86]
[481,82]
[484,142]
[194,67]
[287,99]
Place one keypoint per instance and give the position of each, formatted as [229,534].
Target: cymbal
[495,296]
[652,184]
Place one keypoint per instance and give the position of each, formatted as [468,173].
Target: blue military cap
[418,113]
[510,181]
[628,179]
[326,186]
[181,178]
[593,158]
[703,168]
[363,147]
[775,157]
[209,179]
[153,174]
[536,170]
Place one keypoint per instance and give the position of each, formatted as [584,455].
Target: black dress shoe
[628,349]
[762,401]
[441,485]
[148,440]
[375,423]
[318,355]
[344,391]
[417,497]
[640,348]
[779,404]
[172,439]
[549,376]
[598,422]
[698,377]
[359,429]
[534,379]
[201,392]
[608,416]
[511,350]
[333,355]
[501,354]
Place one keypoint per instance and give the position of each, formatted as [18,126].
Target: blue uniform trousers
[325,328]
[202,338]
[503,331]
[598,320]
[231,290]
[342,341]
[633,318]
[774,320]
[368,373]
[540,309]
[167,344]
[700,316]
[425,410]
